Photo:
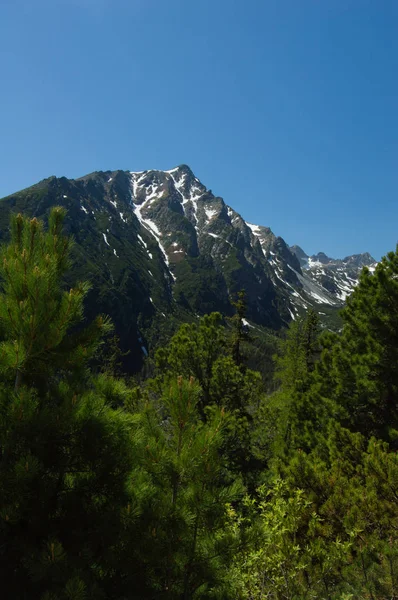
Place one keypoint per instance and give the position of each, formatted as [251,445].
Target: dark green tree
[298,353]
[64,453]
[183,549]
[201,350]
[358,371]
[289,408]
[193,351]
[38,318]
[240,333]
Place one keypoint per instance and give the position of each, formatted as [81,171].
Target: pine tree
[289,407]
[64,453]
[298,353]
[193,351]
[351,486]
[327,528]
[358,371]
[239,330]
[37,317]
[183,549]
[201,350]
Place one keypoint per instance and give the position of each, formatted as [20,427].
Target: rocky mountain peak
[322,258]
[188,221]
[359,260]
[157,242]
[300,254]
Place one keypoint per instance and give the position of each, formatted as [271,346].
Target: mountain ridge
[160,247]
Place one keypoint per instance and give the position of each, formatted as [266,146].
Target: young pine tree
[183,551]
[64,453]
[295,365]
[193,351]
[358,370]
[299,352]
[38,317]
[200,350]
[239,331]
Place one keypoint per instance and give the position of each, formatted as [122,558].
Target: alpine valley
[160,248]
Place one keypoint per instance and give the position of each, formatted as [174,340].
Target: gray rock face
[219,232]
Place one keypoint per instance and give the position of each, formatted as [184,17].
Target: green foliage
[327,529]
[193,350]
[239,331]
[64,453]
[288,407]
[351,487]
[201,351]
[195,484]
[36,316]
[298,353]
[183,547]
[358,368]
[286,542]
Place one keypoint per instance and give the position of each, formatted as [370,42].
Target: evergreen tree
[358,372]
[193,351]
[326,527]
[239,330]
[184,548]
[289,408]
[64,453]
[37,317]
[298,353]
[201,350]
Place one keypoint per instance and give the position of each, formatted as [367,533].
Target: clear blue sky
[286,108]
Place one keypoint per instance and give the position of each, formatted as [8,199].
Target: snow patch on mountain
[142,241]
[148,223]
[313,280]
[189,193]
[210,213]
[255,228]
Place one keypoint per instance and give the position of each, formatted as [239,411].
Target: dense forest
[199,481]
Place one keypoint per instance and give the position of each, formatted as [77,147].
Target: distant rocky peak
[322,258]
[359,260]
[147,185]
[303,259]
[299,252]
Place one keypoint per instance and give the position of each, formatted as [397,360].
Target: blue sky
[286,108]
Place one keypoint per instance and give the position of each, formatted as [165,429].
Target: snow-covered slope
[337,277]
[188,221]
